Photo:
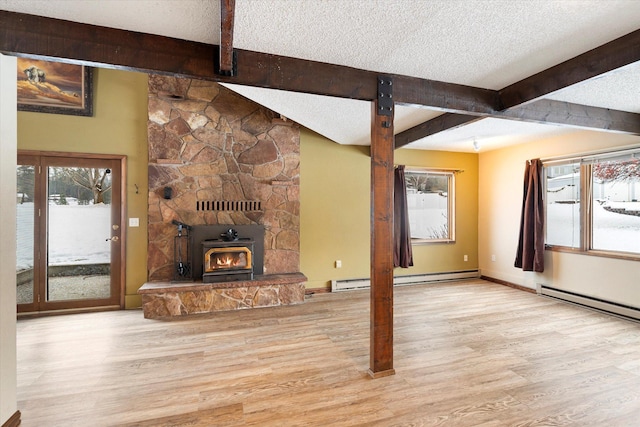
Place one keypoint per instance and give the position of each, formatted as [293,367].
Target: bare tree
[426,183]
[92,179]
[416,181]
[26,182]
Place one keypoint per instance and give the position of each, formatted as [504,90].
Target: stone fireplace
[219,161]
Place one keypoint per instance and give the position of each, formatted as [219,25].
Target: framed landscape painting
[54,87]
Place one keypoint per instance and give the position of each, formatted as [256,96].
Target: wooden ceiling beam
[548,111]
[49,38]
[446,121]
[450,97]
[610,56]
[520,101]
[543,111]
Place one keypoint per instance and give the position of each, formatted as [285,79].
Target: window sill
[597,253]
[419,242]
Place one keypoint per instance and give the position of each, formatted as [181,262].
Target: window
[430,200]
[592,204]
[563,205]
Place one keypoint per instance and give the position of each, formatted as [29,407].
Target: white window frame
[587,201]
[451,212]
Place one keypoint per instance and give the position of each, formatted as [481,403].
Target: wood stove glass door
[73,218]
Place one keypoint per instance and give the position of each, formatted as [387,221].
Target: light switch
[134,222]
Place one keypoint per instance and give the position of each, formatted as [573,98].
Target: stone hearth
[162,300]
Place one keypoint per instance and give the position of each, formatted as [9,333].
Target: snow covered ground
[77,234]
[617,232]
[427,215]
[611,231]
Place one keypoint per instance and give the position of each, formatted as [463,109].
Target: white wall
[500,190]
[8,153]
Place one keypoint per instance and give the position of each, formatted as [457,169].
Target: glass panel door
[69,229]
[79,233]
[25,222]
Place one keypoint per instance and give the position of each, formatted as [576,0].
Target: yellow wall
[118,126]
[334,186]
[500,203]
[335,211]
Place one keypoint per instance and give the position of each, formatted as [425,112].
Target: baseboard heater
[590,302]
[353,284]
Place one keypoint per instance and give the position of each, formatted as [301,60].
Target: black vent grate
[229,205]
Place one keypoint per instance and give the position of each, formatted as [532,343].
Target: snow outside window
[616,211]
[603,218]
[430,202]
[563,205]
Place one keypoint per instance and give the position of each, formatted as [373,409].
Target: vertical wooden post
[382,146]
[227,15]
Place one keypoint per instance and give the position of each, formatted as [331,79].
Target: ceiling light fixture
[476,145]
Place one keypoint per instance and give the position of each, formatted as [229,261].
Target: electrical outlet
[466,258]
[338,263]
[493,258]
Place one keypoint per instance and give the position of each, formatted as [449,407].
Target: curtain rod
[433,169]
[616,151]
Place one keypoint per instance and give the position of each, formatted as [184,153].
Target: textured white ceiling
[484,43]
[617,90]
[490,134]
[345,121]
[197,20]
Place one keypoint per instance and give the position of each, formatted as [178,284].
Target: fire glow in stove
[227,259]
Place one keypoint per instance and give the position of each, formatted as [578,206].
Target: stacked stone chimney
[206,143]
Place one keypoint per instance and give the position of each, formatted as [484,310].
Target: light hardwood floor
[469,353]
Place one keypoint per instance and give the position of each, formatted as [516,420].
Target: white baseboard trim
[590,302]
[353,284]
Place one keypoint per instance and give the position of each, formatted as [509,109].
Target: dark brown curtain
[530,255]
[402,253]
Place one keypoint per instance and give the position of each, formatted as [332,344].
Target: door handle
[113,239]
